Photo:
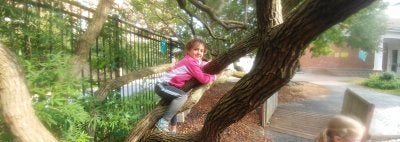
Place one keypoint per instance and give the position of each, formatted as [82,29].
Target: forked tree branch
[227,24]
[182,5]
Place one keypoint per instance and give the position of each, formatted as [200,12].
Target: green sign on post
[163,46]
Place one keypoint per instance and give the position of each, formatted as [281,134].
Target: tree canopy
[362,30]
[223,22]
[277,32]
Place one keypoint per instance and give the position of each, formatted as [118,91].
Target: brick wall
[339,60]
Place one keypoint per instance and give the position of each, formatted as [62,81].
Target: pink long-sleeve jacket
[184,70]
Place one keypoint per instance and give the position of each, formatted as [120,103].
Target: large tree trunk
[280,46]
[16,105]
[276,60]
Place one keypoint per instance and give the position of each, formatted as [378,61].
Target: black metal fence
[120,49]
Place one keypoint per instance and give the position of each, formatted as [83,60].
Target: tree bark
[276,60]
[144,128]
[79,60]
[108,86]
[280,46]
[288,6]
[145,131]
[16,105]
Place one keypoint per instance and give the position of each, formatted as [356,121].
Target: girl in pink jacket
[170,84]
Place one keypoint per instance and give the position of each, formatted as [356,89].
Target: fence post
[172,41]
[116,46]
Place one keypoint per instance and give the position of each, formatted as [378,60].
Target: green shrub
[387,76]
[385,81]
[66,117]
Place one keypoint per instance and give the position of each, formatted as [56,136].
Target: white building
[390,55]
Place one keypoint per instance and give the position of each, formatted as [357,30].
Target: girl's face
[197,51]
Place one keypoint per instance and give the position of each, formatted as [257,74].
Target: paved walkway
[386,117]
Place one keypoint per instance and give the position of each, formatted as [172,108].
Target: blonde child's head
[342,129]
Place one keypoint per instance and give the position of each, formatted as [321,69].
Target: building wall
[391,46]
[340,60]
[346,59]
[385,63]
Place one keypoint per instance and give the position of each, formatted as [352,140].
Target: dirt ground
[248,129]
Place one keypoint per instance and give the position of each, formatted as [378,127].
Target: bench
[356,106]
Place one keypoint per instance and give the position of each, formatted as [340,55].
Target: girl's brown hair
[195,42]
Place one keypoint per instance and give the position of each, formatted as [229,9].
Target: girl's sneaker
[162,125]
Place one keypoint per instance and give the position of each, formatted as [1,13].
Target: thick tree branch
[269,15]
[219,63]
[238,50]
[108,86]
[246,5]
[211,32]
[288,6]
[315,16]
[143,129]
[167,24]
[157,136]
[87,39]
[182,5]
[191,25]
[146,124]
[16,106]
[276,60]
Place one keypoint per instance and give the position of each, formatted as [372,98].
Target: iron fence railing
[121,47]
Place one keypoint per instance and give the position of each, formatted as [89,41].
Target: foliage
[62,107]
[43,40]
[64,116]
[130,57]
[386,81]
[49,74]
[56,95]
[32,31]
[5,134]
[166,17]
[68,113]
[362,30]
[160,16]
[233,10]
[387,76]
[367,27]
[114,119]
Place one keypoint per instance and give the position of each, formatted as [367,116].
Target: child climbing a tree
[170,84]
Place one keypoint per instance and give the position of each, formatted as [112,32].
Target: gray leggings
[173,94]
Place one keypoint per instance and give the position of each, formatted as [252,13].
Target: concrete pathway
[386,117]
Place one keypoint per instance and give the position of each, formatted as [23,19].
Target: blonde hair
[342,126]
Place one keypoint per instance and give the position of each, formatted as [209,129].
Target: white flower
[7,19]
[48,94]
